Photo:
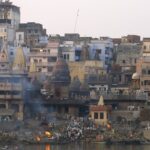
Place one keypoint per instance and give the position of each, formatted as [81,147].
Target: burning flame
[108,126]
[47,147]
[48,134]
[38,139]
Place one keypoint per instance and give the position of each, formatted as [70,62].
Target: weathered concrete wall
[129,115]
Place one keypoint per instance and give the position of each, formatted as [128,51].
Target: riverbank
[33,132]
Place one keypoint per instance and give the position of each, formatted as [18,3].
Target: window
[35,60]
[99,51]
[135,60]
[123,61]
[36,31]
[11,53]
[95,115]
[50,69]
[107,51]
[67,56]
[146,82]
[148,71]
[2,65]
[39,70]
[143,71]
[144,47]
[20,37]
[101,115]
[141,82]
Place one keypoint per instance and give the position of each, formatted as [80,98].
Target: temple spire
[32,68]
[19,61]
[101,101]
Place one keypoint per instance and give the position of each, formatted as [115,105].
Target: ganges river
[80,146]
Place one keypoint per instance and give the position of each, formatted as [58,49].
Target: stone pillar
[21,107]
[7,105]
[20,113]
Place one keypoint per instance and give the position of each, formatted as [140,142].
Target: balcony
[132,96]
[41,64]
[5,21]
[145,87]
[11,97]
[41,54]
[10,87]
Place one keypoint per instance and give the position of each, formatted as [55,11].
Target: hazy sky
[114,18]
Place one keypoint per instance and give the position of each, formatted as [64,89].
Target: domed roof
[60,73]
[75,84]
[135,76]
[60,65]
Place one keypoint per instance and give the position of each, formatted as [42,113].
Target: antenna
[76,21]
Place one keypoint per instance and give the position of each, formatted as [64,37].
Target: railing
[139,96]
[51,64]
[11,97]
[10,87]
[45,54]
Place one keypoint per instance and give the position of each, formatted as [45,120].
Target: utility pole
[75,26]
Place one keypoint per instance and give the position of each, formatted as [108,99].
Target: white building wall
[20,38]
[68,50]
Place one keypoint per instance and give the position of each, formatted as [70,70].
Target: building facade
[11,89]
[33,34]
[104,47]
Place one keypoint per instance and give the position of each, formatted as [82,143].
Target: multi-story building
[143,67]
[126,58]
[12,80]
[130,39]
[68,50]
[32,35]
[83,69]
[43,60]
[105,49]
[9,14]
[9,21]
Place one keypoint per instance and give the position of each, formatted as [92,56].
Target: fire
[108,126]
[47,147]
[38,139]
[48,134]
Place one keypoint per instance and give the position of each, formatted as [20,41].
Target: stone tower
[60,78]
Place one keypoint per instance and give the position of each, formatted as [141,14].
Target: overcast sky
[113,18]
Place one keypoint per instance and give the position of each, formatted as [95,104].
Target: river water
[80,146]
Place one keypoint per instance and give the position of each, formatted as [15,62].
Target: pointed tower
[60,78]
[32,68]
[19,63]
[101,101]
[100,112]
